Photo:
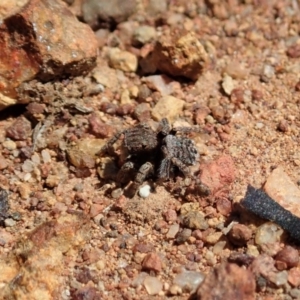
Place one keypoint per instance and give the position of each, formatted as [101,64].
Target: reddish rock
[99,129]
[80,159]
[96,209]
[263,265]
[283,126]
[3,163]
[237,96]
[200,114]
[43,40]
[84,276]
[180,55]
[86,292]
[143,248]
[218,174]
[289,256]
[294,51]
[125,109]
[224,206]
[171,215]
[294,276]
[228,281]
[45,251]
[152,262]
[36,108]
[120,203]
[280,187]
[142,112]
[108,108]
[19,130]
[240,234]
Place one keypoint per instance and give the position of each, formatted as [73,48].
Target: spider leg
[126,172]
[164,169]
[108,146]
[181,166]
[164,126]
[172,160]
[165,165]
[142,174]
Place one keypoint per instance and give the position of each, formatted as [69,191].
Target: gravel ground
[69,231]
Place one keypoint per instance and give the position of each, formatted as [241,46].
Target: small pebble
[167,107]
[219,247]
[173,230]
[288,255]
[143,34]
[195,220]
[28,166]
[170,215]
[116,193]
[183,235]
[240,234]
[152,285]
[162,83]
[214,237]
[46,156]
[19,130]
[9,145]
[188,281]
[122,60]
[294,277]
[152,262]
[144,191]
[142,112]
[268,73]
[295,293]
[283,126]
[3,163]
[9,222]
[236,70]
[228,85]
[139,279]
[210,258]
[175,290]
[268,233]
[187,207]
[279,279]
[259,125]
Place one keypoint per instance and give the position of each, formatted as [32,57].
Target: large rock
[180,55]
[43,40]
[218,174]
[228,281]
[280,187]
[35,268]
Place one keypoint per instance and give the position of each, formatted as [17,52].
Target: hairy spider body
[139,139]
[177,151]
[154,153]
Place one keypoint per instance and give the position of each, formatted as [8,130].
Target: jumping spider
[153,153]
